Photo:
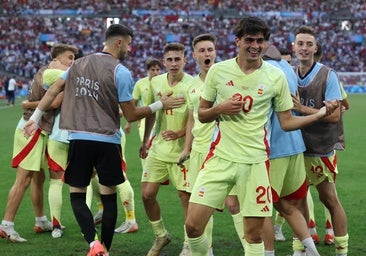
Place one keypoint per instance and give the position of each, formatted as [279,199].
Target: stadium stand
[29,27]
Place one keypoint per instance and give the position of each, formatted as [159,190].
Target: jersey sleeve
[283,100]
[209,87]
[124,83]
[333,90]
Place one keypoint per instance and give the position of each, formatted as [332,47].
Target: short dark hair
[285,51]
[174,46]
[203,37]
[118,30]
[251,26]
[153,62]
[305,30]
[61,48]
[79,54]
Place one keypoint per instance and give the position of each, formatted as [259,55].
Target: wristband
[157,105]
[37,115]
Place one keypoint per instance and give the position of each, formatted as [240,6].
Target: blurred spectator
[26,39]
[10,91]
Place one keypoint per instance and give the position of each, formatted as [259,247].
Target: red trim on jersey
[211,153]
[26,150]
[265,141]
[150,142]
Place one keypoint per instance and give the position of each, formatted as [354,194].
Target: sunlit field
[350,183]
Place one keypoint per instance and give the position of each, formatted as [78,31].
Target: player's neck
[248,67]
[175,79]
[202,75]
[304,67]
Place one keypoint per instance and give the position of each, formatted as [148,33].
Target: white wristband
[157,105]
[37,115]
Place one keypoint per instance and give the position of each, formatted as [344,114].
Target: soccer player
[57,143]
[29,155]
[340,145]
[94,88]
[317,83]
[198,135]
[142,93]
[240,93]
[167,143]
[287,169]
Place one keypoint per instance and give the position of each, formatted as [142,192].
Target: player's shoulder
[142,81]
[224,64]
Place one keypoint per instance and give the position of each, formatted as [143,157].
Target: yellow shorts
[57,155]
[219,176]
[158,171]
[29,154]
[195,163]
[319,169]
[288,177]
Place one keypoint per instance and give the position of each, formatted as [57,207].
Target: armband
[157,105]
[37,115]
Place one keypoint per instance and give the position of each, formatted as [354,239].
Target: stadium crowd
[23,52]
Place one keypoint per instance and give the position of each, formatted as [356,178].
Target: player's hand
[170,101]
[143,152]
[29,128]
[24,104]
[169,135]
[127,128]
[231,106]
[182,158]
[297,102]
[329,107]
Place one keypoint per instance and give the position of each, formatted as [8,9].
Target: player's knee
[192,229]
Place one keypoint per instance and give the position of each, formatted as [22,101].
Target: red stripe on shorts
[331,166]
[25,151]
[52,164]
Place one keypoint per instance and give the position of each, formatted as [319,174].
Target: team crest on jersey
[193,90]
[260,89]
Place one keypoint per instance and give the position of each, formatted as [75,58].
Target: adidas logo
[265,209]
[230,83]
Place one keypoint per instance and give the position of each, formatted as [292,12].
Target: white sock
[269,253]
[40,219]
[310,247]
[7,223]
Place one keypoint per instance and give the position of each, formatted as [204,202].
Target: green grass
[350,185]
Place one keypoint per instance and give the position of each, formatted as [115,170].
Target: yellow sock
[310,202]
[254,249]
[126,194]
[341,244]
[55,200]
[208,231]
[199,245]
[239,227]
[297,245]
[158,228]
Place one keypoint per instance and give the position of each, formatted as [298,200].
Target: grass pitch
[350,184]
